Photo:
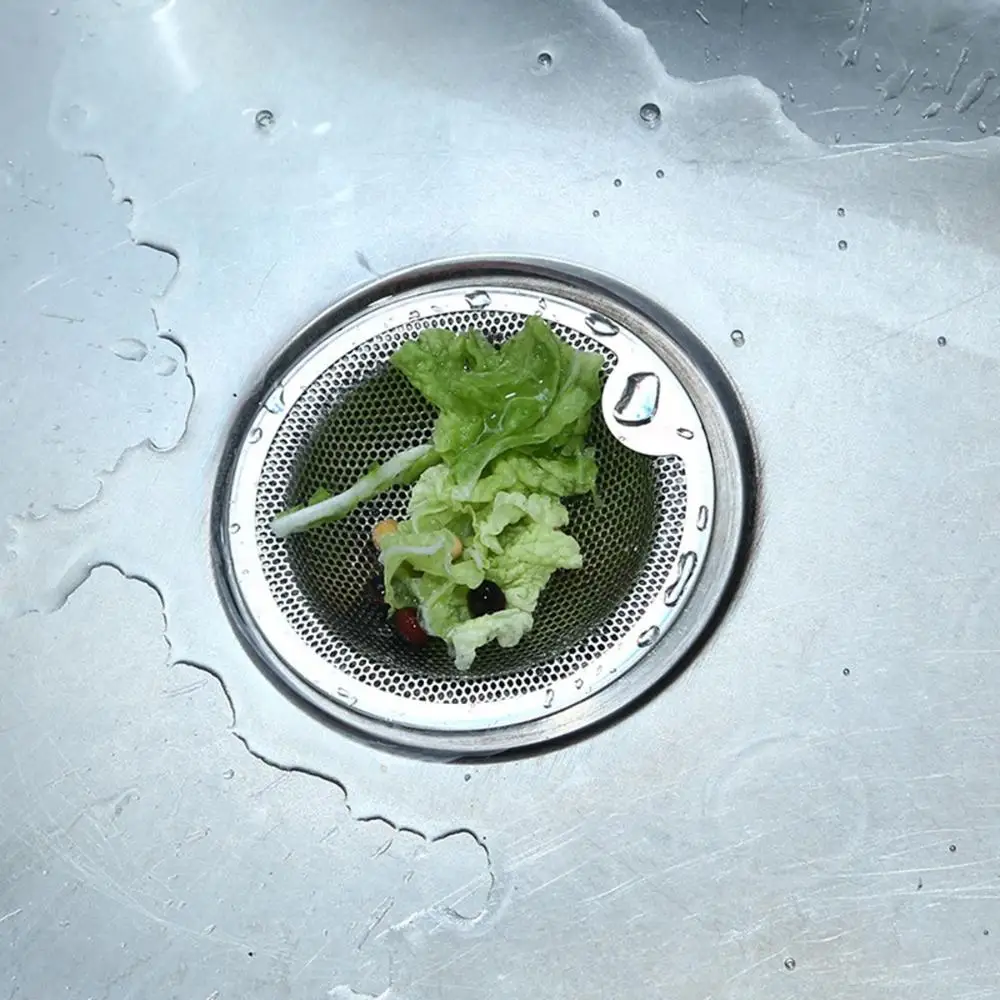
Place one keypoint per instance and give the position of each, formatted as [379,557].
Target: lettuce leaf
[409,553]
[324,507]
[506,627]
[513,540]
[534,390]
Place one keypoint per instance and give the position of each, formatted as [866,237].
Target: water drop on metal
[544,60]
[685,571]
[414,315]
[841,212]
[228,774]
[639,400]
[846,671]
[790,964]
[649,637]
[275,403]
[842,245]
[659,173]
[164,366]
[702,517]
[255,435]
[942,341]
[738,338]
[234,528]
[596,214]
[618,182]
[685,433]
[650,115]
[264,119]
[550,697]
[478,300]
[601,325]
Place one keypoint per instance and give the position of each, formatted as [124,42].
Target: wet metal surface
[811,809]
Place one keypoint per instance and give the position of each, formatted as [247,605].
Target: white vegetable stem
[343,503]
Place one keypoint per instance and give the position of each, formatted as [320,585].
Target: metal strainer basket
[336,406]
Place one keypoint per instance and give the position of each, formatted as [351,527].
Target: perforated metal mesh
[362,411]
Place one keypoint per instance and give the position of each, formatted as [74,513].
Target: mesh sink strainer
[660,540]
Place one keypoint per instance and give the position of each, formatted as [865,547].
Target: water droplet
[542,305]
[649,637]
[597,214]
[544,60]
[264,119]
[346,697]
[790,964]
[618,182]
[639,400]
[164,366]
[550,697]
[659,173]
[702,522]
[468,777]
[228,774]
[129,349]
[685,571]
[842,245]
[234,528]
[414,315]
[75,116]
[578,683]
[650,115]
[942,341]
[952,848]
[275,403]
[685,433]
[601,325]
[478,300]
[53,12]
[841,212]
[982,127]
[738,338]
[255,435]
[932,110]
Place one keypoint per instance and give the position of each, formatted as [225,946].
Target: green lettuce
[512,538]
[534,391]
[506,627]
[508,443]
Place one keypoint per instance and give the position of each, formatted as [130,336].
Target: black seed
[376,589]
[486,599]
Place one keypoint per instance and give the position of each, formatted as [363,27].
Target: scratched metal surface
[813,809]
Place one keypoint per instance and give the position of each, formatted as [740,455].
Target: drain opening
[303,603]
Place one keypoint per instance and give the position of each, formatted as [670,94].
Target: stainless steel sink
[810,808]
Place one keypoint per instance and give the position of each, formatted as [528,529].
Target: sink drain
[660,541]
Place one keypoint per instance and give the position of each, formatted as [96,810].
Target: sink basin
[808,807]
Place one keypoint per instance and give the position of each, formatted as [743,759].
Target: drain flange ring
[660,543]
